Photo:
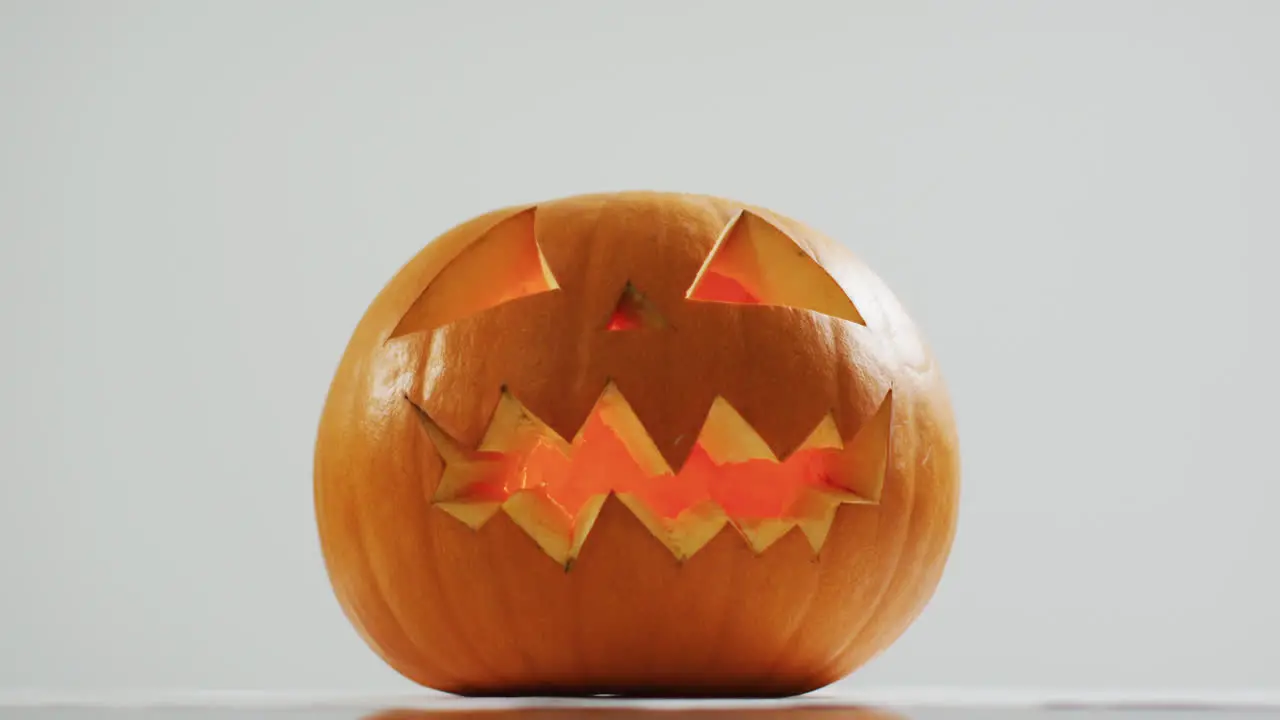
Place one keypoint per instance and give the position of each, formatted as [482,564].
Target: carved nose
[634,311]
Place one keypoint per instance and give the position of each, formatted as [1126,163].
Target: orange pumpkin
[638,444]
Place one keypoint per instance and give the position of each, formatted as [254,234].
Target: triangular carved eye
[634,311]
[502,265]
[754,262]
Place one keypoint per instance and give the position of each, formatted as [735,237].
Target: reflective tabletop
[452,709]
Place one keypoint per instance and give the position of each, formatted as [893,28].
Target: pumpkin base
[674,691]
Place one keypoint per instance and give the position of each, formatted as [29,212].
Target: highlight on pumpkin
[755,262]
[554,489]
[502,265]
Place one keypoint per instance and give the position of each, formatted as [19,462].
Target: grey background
[1077,201]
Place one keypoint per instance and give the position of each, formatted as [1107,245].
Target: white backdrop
[1077,201]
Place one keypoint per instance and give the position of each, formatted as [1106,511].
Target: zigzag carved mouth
[553,489]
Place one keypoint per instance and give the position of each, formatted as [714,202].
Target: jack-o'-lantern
[635,443]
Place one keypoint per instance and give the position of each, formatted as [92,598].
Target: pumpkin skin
[499,607]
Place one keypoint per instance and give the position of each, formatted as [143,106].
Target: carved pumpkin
[635,443]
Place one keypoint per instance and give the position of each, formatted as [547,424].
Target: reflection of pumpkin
[634,443]
[607,711]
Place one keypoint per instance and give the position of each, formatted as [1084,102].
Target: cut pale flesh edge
[756,262]
[502,265]
[553,489]
[753,262]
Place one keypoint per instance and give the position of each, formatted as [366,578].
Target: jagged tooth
[825,436]
[817,529]
[614,410]
[472,514]
[449,449]
[462,469]
[863,462]
[686,534]
[695,527]
[761,533]
[729,438]
[648,518]
[513,428]
[460,475]
[586,520]
[543,521]
[815,511]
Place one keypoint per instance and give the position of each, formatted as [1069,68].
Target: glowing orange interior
[600,463]
[716,287]
[623,320]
